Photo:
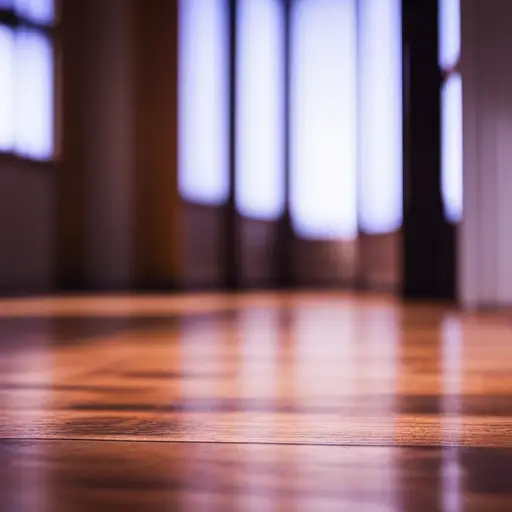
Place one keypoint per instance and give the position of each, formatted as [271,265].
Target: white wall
[485,243]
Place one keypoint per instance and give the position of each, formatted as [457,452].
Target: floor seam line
[246,443]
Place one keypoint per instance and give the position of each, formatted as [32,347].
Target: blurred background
[240,144]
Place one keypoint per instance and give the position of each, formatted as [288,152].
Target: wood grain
[303,401]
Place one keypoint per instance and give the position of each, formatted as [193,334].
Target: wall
[485,243]
[259,246]
[371,262]
[325,262]
[203,249]
[380,261]
[201,246]
[26,219]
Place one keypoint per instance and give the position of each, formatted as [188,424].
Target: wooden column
[117,199]
[69,216]
[156,107]
[428,241]
[95,178]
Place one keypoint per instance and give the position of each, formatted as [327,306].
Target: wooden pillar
[117,190]
[428,241]
[69,216]
[156,107]
[94,180]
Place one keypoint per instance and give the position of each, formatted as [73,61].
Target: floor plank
[304,385]
[82,476]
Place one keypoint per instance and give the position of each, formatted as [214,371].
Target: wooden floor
[312,402]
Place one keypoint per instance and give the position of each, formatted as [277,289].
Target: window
[26,78]
[6,88]
[203,175]
[260,116]
[451,105]
[451,144]
[324,119]
[345,112]
[449,33]
[380,116]
[40,12]
[346,117]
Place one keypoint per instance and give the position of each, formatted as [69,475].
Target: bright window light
[449,33]
[451,104]
[34,95]
[260,121]
[203,101]
[451,178]
[323,119]
[37,11]
[380,104]
[6,88]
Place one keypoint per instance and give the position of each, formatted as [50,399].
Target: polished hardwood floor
[279,402]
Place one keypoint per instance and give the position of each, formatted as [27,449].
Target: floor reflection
[452,375]
[301,402]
